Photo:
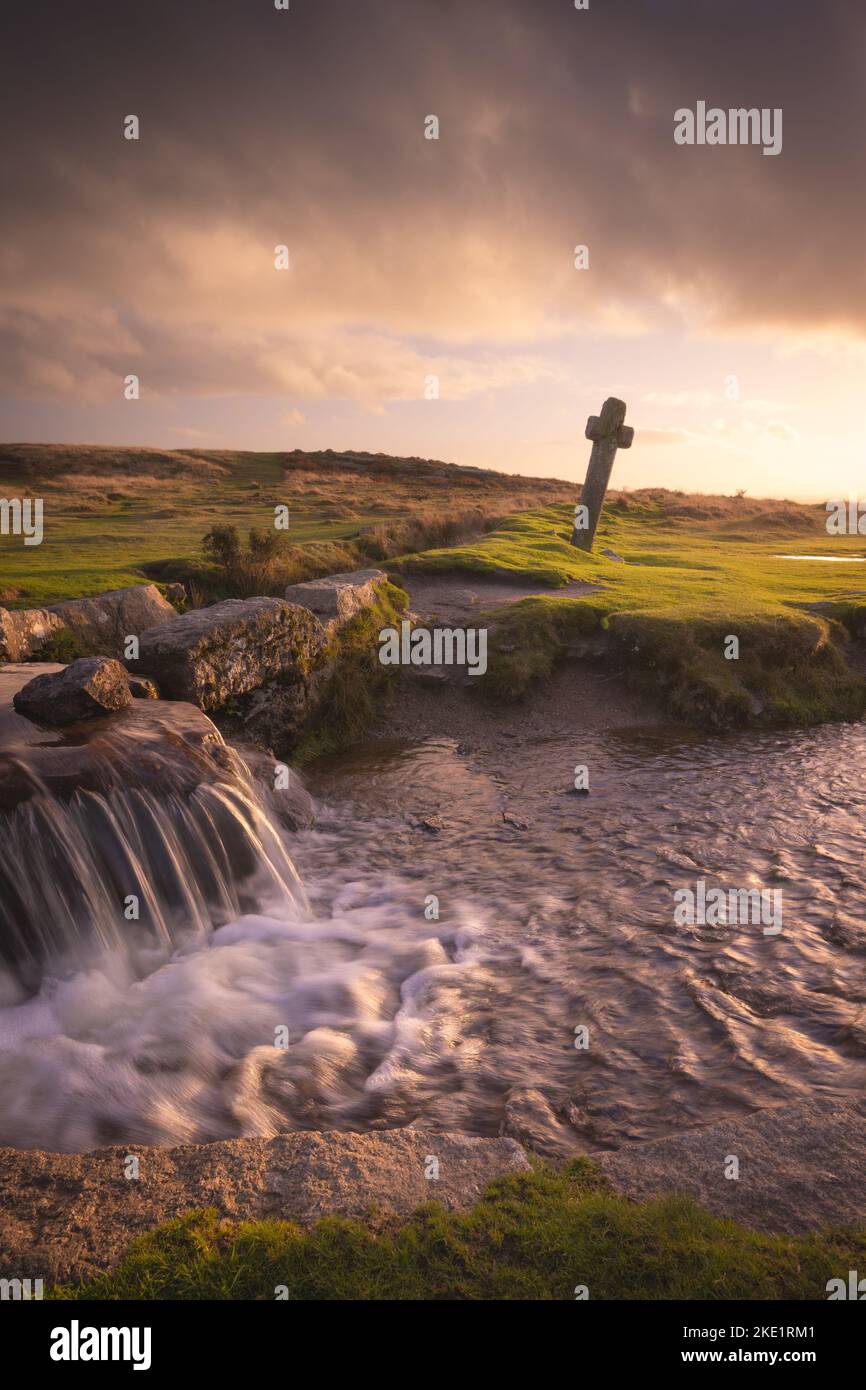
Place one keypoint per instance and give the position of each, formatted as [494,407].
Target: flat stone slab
[337,598]
[801,1167]
[70,1216]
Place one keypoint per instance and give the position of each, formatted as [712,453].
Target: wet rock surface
[139,745]
[281,788]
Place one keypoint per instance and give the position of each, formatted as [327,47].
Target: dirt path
[459,598]
[442,701]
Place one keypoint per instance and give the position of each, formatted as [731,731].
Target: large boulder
[89,688]
[336,598]
[275,715]
[212,655]
[25,631]
[103,623]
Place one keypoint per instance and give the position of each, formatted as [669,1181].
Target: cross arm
[609,422]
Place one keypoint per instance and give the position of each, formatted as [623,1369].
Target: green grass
[115,517]
[687,584]
[531,1236]
[84,555]
[673,566]
[359,685]
[698,568]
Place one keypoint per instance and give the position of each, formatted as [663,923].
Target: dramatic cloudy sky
[412,257]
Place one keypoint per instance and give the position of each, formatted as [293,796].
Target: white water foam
[374,1002]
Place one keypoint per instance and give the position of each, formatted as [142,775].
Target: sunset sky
[454,257]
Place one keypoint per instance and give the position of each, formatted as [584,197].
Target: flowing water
[351,1005]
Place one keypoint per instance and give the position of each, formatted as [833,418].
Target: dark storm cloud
[306,127]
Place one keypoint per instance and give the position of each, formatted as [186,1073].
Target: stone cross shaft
[608,433]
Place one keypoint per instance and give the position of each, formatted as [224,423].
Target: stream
[462,914]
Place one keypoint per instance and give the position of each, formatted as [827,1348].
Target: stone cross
[608,433]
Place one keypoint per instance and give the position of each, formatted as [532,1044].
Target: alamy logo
[22,517]
[846,518]
[444,646]
[855,1288]
[737,126]
[20,1289]
[720,907]
[77,1343]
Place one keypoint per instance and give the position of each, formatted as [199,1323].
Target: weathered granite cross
[608,433]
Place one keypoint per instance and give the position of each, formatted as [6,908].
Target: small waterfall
[194,853]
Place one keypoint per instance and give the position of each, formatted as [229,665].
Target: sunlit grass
[687,584]
[686,567]
[116,517]
[538,1236]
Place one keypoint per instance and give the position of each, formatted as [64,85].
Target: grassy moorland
[115,517]
[696,571]
[535,1236]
